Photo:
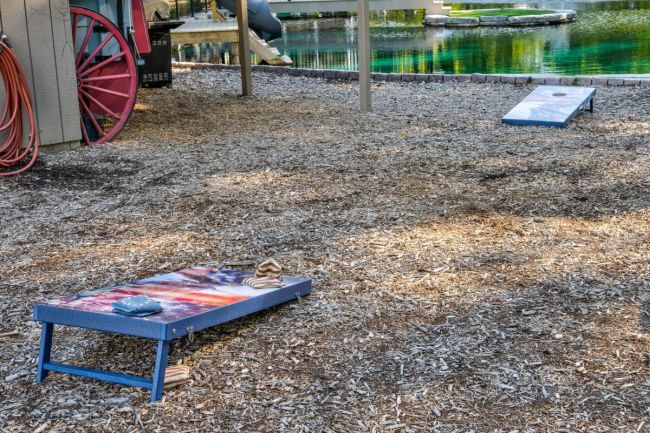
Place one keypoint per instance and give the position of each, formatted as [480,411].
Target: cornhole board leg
[44,352]
[156,384]
[159,371]
[590,108]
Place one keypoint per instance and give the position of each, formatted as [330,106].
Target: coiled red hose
[16,156]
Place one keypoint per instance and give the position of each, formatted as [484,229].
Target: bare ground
[469,276]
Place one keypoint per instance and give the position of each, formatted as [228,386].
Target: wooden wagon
[109,36]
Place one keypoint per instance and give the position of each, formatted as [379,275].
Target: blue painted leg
[159,371]
[45,350]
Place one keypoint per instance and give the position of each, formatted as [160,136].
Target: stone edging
[558,16]
[432,78]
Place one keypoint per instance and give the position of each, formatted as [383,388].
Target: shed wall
[40,34]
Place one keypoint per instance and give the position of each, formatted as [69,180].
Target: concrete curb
[515,79]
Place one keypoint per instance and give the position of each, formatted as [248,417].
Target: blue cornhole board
[550,106]
[192,299]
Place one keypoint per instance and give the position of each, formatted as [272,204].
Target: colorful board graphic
[182,294]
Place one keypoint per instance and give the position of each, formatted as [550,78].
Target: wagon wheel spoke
[105,78]
[95,52]
[99,104]
[102,64]
[107,91]
[91,115]
[84,43]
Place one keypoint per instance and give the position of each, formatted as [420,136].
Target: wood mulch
[468,276]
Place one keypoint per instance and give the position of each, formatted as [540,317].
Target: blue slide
[260,18]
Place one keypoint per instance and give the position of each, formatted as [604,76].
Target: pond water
[610,37]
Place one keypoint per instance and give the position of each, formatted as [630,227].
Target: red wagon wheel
[106,75]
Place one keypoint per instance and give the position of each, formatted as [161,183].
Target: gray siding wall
[40,34]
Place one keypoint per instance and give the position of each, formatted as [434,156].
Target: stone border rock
[330,74]
[559,16]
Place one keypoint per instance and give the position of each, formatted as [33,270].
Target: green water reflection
[611,37]
[607,38]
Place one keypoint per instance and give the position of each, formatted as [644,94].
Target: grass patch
[499,12]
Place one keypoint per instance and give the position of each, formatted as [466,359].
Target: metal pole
[192,7]
[244,51]
[363,17]
[176,10]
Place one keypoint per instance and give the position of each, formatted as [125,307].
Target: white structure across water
[308,6]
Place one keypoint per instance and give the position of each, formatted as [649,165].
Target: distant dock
[205,30]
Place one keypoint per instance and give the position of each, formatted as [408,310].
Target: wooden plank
[216,15]
[66,71]
[46,86]
[244,52]
[36,32]
[267,53]
[204,37]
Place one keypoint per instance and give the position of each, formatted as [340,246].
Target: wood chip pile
[468,276]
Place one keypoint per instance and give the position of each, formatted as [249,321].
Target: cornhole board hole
[192,300]
[551,106]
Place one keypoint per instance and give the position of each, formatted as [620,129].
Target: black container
[157,68]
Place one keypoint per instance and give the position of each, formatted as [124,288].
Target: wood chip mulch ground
[468,276]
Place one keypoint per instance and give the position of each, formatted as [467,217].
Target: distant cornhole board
[551,106]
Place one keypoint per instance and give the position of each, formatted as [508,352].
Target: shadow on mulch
[81,177]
